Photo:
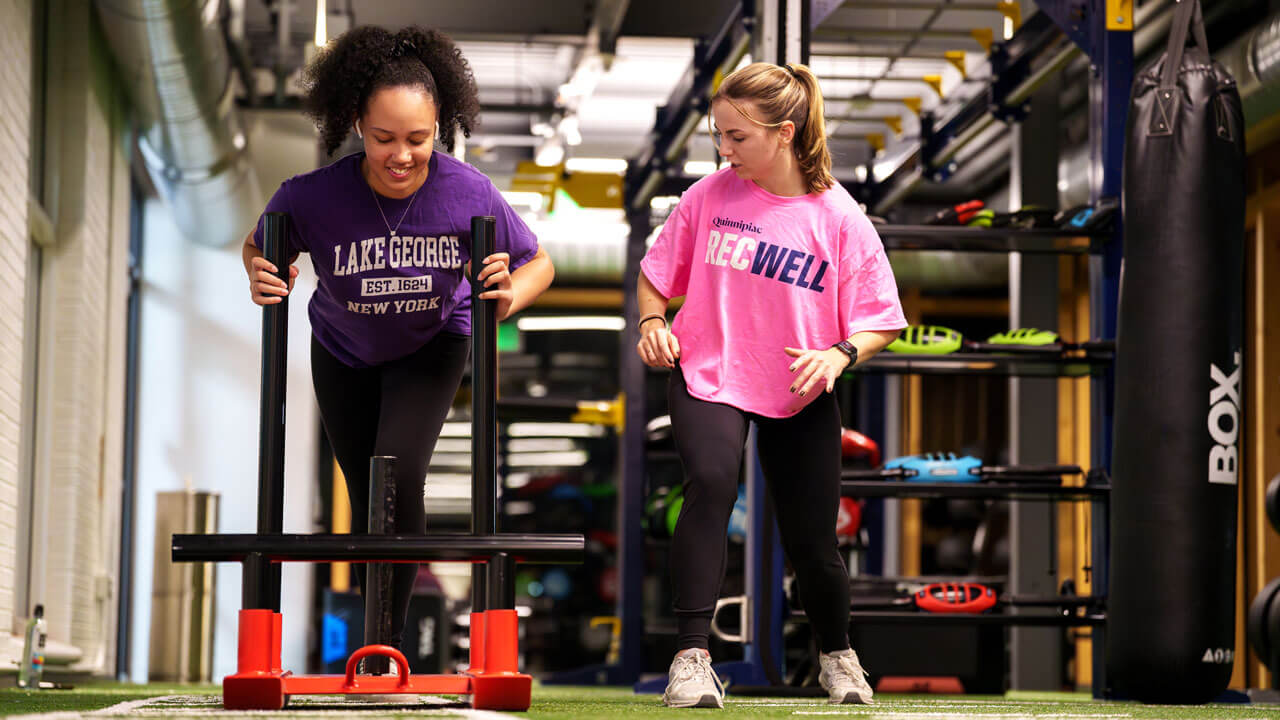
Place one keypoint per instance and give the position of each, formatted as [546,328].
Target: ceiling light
[575,458]
[596,165]
[569,129]
[517,199]
[550,153]
[554,429]
[581,322]
[540,445]
[699,167]
[322,32]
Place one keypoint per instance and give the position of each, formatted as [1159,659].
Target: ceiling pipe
[177,69]
[1258,53]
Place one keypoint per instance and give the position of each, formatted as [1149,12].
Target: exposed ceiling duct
[178,72]
[592,251]
[1254,61]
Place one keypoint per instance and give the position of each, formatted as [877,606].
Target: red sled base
[492,680]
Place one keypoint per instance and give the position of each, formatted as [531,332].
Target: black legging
[395,409]
[800,456]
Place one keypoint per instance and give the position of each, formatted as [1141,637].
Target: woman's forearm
[530,280]
[248,253]
[870,342]
[649,300]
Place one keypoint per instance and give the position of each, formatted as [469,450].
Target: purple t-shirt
[381,296]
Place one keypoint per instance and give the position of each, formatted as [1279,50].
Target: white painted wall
[198,399]
[15,117]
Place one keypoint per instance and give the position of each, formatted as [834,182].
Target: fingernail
[802,393]
[793,389]
[792,368]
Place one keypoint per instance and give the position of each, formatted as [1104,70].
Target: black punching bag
[1171,624]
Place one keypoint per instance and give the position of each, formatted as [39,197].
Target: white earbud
[358,133]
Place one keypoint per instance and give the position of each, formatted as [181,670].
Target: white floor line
[936,715]
[124,707]
[330,707]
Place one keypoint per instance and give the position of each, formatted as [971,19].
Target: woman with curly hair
[388,229]
[786,286]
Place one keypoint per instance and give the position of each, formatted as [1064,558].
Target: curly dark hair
[347,72]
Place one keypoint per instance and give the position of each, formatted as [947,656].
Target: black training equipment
[1273,503]
[260,554]
[379,587]
[1178,377]
[263,591]
[1263,628]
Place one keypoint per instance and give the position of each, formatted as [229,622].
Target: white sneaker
[843,677]
[387,698]
[691,682]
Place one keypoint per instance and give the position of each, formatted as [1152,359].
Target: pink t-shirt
[760,272]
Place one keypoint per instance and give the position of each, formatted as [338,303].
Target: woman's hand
[264,286]
[496,275]
[657,346]
[816,366]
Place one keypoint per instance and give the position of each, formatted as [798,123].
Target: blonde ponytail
[786,92]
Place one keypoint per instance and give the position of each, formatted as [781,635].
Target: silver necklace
[394,233]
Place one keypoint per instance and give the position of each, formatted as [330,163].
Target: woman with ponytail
[786,286]
[388,231]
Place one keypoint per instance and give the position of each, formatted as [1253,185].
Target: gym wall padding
[1176,460]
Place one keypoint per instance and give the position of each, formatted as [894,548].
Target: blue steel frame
[1111,56]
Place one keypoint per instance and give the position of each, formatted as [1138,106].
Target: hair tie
[789,69]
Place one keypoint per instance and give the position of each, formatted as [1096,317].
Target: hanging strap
[1187,19]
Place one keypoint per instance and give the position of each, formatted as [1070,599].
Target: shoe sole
[851,698]
[706,701]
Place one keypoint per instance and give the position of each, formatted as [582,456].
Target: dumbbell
[1263,626]
[655,511]
[1273,503]
[856,446]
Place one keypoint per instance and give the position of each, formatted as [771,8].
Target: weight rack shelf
[996,618]
[976,239]
[990,490]
[1090,362]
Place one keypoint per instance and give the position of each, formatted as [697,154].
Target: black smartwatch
[849,349]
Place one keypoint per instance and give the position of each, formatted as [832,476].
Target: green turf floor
[583,703]
[89,696]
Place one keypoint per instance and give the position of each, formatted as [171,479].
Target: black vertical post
[275,334]
[632,372]
[378,590]
[501,585]
[484,407]
[256,569]
[1109,86]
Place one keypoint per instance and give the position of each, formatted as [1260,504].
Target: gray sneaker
[843,677]
[691,682]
